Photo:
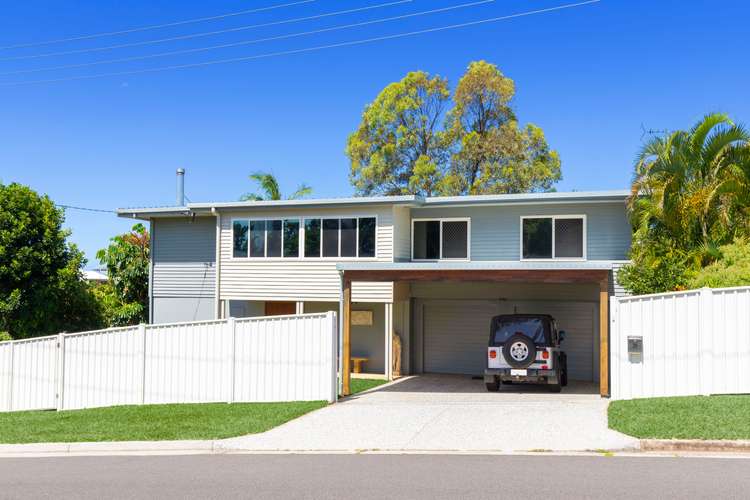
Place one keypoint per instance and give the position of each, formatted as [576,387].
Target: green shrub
[731,269]
[666,275]
[5,336]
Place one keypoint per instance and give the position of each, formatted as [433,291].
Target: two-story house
[432,270]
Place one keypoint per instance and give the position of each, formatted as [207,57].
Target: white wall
[694,342]
[280,358]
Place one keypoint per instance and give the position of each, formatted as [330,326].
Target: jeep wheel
[492,386]
[519,351]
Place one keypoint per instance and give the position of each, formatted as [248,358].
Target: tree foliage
[41,288]
[124,298]
[690,195]
[271,191]
[410,141]
[732,268]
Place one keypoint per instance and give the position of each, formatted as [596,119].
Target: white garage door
[577,319]
[456,333]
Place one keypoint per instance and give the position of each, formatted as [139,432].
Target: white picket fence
[695,342]
[279,358]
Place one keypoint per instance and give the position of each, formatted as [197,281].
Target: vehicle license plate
[518,373]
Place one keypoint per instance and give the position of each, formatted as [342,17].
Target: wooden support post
[346,351]
[604,337]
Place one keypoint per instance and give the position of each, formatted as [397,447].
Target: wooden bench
[357,364]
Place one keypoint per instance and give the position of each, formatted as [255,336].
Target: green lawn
[693,417]
[150,422]
[363,384]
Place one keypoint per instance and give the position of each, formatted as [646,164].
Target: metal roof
[417,201]
[502,265]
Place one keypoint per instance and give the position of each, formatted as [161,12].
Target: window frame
[440,243]
[301,243]
[553,218]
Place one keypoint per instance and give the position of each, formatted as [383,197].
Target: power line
[249,42]
[307,49]
[85,209]
[205,33]
[153,27]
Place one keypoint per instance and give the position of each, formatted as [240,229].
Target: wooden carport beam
[604,336]
[346,347]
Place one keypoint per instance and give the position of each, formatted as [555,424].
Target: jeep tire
[519,351]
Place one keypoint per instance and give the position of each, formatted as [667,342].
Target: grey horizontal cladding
[184,262]
[495,230]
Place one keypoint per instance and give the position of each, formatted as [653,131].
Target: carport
[439,350]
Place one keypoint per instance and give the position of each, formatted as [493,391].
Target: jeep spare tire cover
[519,351]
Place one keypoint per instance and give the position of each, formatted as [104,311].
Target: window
[273,238]
[312,237]
[555,237]
[348,237]
[440,239]
[257,238]
[330,238]
[366,237]
[291,238]
[239,236]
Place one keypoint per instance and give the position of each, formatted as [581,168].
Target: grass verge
[691,417]
[149,422]
[363,384]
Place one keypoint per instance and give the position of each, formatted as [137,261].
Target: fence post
[232,326]
[614,348]
[60,371]
[10,377]
[333,328]
[706,343]
[142,331]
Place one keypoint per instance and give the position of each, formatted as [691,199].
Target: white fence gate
[277,358]
[692,343]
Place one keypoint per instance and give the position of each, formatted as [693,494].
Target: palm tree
[692,188]
[271,191]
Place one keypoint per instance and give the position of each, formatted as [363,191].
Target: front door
[280,308]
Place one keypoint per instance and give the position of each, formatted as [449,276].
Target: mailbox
[635,349]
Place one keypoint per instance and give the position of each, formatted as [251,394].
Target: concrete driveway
[450,413]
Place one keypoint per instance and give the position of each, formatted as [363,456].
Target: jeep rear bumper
[532,376]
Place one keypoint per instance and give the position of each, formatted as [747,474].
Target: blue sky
[590,76]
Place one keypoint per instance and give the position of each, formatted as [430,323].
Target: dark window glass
[367,237]
[257,238]
[239,235]
[291,238]
[273,238]
[348,237]
[312,237]
[569,238]
[427,239]
[330,237]
[537,329]
[455,239]
[537,238]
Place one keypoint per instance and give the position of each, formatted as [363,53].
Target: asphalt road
[373,476]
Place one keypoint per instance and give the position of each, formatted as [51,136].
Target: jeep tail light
[493,354]
[545,354]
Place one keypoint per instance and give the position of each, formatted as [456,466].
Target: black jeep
[525,348]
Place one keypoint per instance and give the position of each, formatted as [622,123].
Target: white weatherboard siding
[402,233]
[301,279]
